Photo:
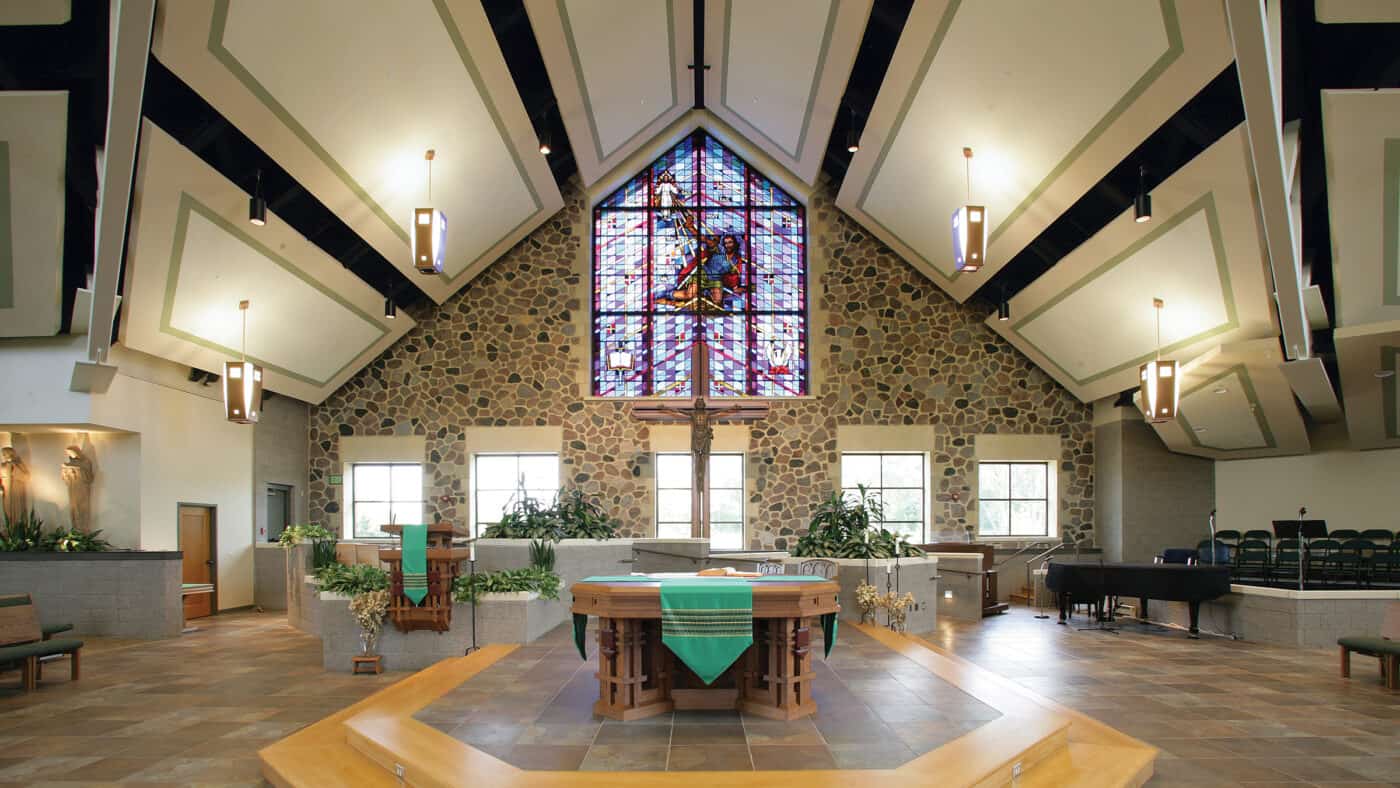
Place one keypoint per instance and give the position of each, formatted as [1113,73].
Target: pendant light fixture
[391,310]
[852,139]
[429,230]
[257,206]
[969,228]
[1142,204]
[242,382]
[1003,308]
[1160,380]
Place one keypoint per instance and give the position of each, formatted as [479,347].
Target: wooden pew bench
[1386,648]
[24,642]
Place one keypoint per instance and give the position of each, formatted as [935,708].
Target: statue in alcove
[77,476]
[14,484]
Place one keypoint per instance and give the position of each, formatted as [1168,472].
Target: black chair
[1221,552]
[1353,559]
[1286,559]
[1253,558]
[1320,552]
[1380,536]
[1267,537]
[1343,534]
[1386,562]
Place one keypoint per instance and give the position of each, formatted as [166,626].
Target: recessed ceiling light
[1222,390]
[1382,374]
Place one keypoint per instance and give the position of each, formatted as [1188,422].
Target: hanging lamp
[852,138]
[1142,204]
[429,230]
[257,206]
[969,228]
[242,382]
[1159,380]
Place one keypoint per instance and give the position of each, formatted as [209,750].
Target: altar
[640,676]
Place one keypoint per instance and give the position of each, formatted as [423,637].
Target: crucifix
[701,414]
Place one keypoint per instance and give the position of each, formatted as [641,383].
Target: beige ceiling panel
[350,115]
[778,69]
[1346,11]
[620,71]
[193,256]
[1369,358]
[33,155]
[1089,321]
[1236,404]
[1050,97]
[1361,135]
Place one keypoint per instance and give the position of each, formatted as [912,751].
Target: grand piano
[1171,582]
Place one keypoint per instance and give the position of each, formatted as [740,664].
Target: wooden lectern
[444,565]
[990,605]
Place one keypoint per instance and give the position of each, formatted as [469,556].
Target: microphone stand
[1212,537]
[1302,510]
[471,569]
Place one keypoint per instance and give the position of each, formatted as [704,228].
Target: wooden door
[197,542]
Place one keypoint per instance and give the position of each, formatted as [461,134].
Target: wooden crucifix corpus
[701,414]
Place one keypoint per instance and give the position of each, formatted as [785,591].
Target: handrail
[694,558]
[1024,548]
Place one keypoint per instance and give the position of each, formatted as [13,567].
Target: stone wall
[887,348]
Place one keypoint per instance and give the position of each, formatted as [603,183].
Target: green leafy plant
[294,535]
[542,555]
[351,580]
[842,528]
[572,516]
[75,541]
[23,534]
[469,588]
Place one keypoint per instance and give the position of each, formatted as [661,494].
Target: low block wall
[116,594]
[959,585]
[269,576]
[497,621]
[1310,619]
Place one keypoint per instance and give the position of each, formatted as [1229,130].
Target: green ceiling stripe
[1250,394]
[7,249]
[216,47]
[188,205]
[831,15]
[1205,203]
[583,86]
[1390,251]
[1390,359]
[1175,48]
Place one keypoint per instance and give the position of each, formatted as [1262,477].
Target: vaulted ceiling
[333,103]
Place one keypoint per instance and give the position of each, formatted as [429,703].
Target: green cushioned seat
[1370,645]
[39,648]
[54,629]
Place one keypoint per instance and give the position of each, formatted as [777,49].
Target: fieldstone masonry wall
[888,347]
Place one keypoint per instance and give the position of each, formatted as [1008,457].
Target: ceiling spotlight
[391,310]
[1221,390]
[969,228]
[1159,380]
[1142,204]
[429,230]
[545,139]
[1382,374]
[257,206]
[1003,309]
[852,139]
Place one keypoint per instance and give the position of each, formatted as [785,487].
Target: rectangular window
[726,482]
[898,482]
[500,480]
[385,492]
[1013,499]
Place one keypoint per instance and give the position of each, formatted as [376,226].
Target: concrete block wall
[1300,623]
[270,577]
[281,455]
[1149,498]
[110,594]
[959,586]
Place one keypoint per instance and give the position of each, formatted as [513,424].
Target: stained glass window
[699,246]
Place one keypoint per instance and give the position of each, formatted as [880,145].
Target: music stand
[1304,531]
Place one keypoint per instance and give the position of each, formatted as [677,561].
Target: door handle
[210,562]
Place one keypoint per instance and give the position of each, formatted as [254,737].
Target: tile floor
[197,709]
[176,712]
[534,709]
[1223,713]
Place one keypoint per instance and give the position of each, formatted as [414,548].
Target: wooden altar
[639,677]
[444,565]
[990,605]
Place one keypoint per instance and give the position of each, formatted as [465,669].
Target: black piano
[1171,582]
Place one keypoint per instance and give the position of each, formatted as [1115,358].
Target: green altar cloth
[415,562]
[694,642]
[707,623]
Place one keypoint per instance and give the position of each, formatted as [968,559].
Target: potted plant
[841,528]
[532,582]
[369,609]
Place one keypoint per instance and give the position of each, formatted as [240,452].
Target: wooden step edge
[1091,766]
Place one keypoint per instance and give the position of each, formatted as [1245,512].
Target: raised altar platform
[522,715]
